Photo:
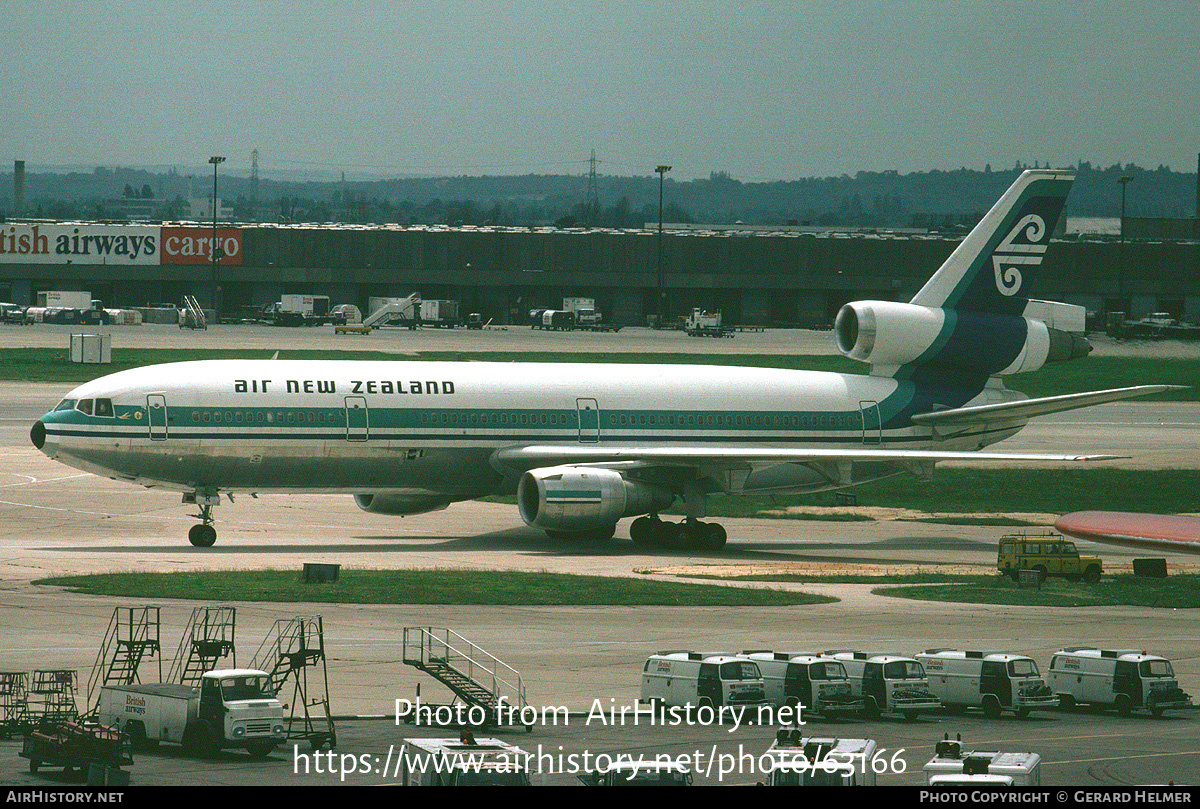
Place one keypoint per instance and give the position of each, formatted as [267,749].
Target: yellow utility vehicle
[1050,555]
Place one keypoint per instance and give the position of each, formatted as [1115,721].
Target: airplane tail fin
[986,272]
[973,316]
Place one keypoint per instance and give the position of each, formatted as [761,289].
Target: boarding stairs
[207,638]
[14,702]
[51,696]
[402,312]
[292,648]
[474,675]
[131,637]
[192,316]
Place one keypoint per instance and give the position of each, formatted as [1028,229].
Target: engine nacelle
[893,334]
[578,498]
[397,503]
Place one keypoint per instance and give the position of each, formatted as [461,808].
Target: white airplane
[585,445]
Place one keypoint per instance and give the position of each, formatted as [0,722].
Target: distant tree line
[881,199]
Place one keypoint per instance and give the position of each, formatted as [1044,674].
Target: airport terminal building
[755,276]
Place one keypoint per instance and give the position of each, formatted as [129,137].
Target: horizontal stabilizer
[1168,532]
[1028,408]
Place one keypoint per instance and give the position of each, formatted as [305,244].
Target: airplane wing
[1027,408]
[524,458]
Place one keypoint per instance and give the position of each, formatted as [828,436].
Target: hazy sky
[762,90]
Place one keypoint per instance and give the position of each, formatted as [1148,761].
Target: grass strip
[989,490]
[443,586]
[1174,592]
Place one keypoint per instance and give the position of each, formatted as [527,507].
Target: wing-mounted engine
[581,498]
[400,503]
[891,335]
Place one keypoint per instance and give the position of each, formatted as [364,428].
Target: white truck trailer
[705,324]
[230,708]
[993,681]
[300,310]
[587,316]
[1125,679]
[683,678]
[463,762]
[887,684]
[64,299]
[819,762]
[441,314]
[951,766]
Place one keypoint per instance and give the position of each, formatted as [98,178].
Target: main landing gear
[689,534]
[203,535]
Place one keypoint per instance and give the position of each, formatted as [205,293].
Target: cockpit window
[104,407]
[65,404]
[84,407]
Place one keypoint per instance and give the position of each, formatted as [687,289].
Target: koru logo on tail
[1011,253]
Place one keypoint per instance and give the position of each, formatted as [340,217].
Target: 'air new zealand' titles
[585,445]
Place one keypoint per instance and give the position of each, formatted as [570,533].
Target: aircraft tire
[715,536]
[642,530]
[202,536]
[668,535]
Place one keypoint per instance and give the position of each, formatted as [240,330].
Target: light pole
[662,303]
[216,161]
[1124,181]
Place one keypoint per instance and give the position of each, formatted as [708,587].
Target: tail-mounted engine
[889,335]
[578,498]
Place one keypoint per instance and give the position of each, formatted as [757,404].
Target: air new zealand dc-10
[585,445]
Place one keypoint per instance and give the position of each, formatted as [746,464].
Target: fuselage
[432,427]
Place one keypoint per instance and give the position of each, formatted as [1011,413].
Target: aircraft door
[871,428]
[589,420]
[357,419]
[156,416]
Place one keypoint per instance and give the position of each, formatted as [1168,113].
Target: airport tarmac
[629,340]
[54,520]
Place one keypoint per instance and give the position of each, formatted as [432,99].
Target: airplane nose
[38,434]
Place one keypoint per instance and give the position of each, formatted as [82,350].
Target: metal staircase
[132,635]
[51,696]
[208,637]
[192,316]
[290,650]
[475,676]
[14,702]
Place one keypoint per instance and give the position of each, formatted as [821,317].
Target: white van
[1123,678]
[684,678]
[887,684]
[821,685]
[993,681]
[816,683]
